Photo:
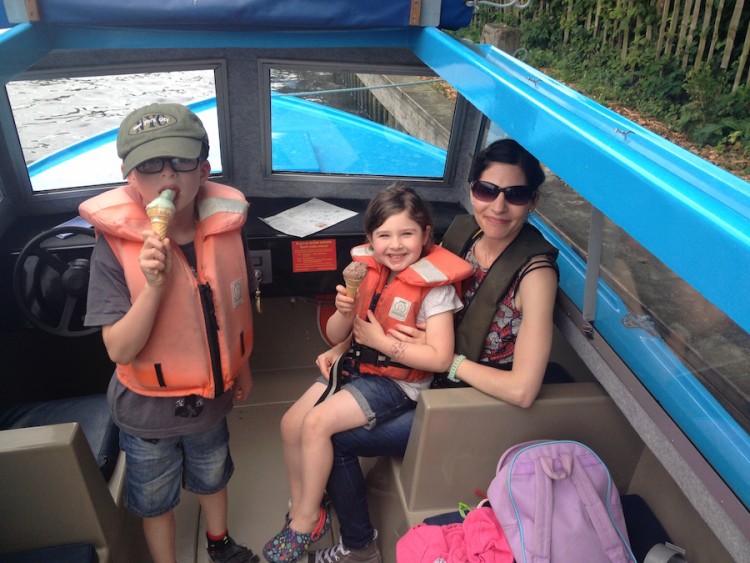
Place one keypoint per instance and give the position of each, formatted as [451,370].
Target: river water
[94,104]
[90,105]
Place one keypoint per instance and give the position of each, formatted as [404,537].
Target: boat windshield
[339,121]
[67,125]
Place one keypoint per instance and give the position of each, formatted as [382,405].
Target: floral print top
[501,337]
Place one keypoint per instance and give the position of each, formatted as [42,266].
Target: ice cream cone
[160,218]
[160,211]
[353,274]
[351,286]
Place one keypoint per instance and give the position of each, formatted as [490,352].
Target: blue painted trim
[639,180]
[722,441]
[21,47]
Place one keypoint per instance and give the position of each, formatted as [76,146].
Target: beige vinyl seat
[53,493]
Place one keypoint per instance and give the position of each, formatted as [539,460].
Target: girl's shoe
[288,546]
[325,503]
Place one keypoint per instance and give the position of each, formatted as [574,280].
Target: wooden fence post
[503,37]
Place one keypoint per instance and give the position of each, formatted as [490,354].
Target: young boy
[160,303]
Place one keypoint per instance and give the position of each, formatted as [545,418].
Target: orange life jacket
[399,301]
[203,331]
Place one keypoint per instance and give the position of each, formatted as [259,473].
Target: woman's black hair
[395,199]
[508,151]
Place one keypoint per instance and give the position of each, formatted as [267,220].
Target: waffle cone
[351,286]
[160,219]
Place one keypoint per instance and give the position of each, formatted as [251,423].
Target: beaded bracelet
[454,368]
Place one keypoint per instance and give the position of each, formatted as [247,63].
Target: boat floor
[283,368]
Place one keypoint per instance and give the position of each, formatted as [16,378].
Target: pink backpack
[556,501]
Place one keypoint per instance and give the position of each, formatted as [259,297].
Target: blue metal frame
[638,179]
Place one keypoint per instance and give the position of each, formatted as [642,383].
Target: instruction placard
[314,255]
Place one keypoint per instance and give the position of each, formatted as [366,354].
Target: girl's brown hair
[395,199]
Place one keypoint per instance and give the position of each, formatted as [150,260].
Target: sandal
[288,545]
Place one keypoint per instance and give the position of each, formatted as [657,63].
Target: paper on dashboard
[308,218]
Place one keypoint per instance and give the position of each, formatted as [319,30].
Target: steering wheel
[50,281]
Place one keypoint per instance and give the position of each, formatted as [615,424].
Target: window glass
[705,340]
[68,126]
[708,343]
[336,122]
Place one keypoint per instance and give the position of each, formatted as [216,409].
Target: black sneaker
[229,552]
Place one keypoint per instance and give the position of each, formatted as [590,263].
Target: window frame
[265,65]
[29,202]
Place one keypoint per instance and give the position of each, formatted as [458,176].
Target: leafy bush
[698,102]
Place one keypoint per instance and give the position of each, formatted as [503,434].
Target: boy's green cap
[159,130]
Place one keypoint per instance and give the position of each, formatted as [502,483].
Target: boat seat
[75,553]
[91,412]
[53,495]
[459,434]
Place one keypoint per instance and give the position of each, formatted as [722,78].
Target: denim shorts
[380,398]
[156,469]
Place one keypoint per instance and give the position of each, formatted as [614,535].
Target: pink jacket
[479,539]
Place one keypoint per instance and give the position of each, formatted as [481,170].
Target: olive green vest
[463,231]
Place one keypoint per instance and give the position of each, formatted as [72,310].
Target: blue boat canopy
[245,14]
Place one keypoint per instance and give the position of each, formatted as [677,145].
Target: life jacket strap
[366,355]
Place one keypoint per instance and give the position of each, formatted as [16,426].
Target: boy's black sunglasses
[156,165]
[488,192]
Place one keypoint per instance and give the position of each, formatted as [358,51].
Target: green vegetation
[626,59]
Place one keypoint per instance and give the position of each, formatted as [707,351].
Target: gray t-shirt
[139,415]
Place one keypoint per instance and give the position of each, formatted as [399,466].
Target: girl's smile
[398,242]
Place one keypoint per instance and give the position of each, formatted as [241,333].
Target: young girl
[408,281]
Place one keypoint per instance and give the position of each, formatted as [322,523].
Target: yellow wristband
[454,368]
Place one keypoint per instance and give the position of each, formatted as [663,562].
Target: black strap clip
[367,355]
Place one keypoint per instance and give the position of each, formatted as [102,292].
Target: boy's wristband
[454,368]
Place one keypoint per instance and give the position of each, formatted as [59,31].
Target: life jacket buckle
[367,355]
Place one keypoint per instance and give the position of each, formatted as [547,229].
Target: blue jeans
[155,469]
[380,398]
[346,484]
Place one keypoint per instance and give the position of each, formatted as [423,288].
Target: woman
[507,361]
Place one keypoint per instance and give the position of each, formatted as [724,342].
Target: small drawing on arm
[397,350]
